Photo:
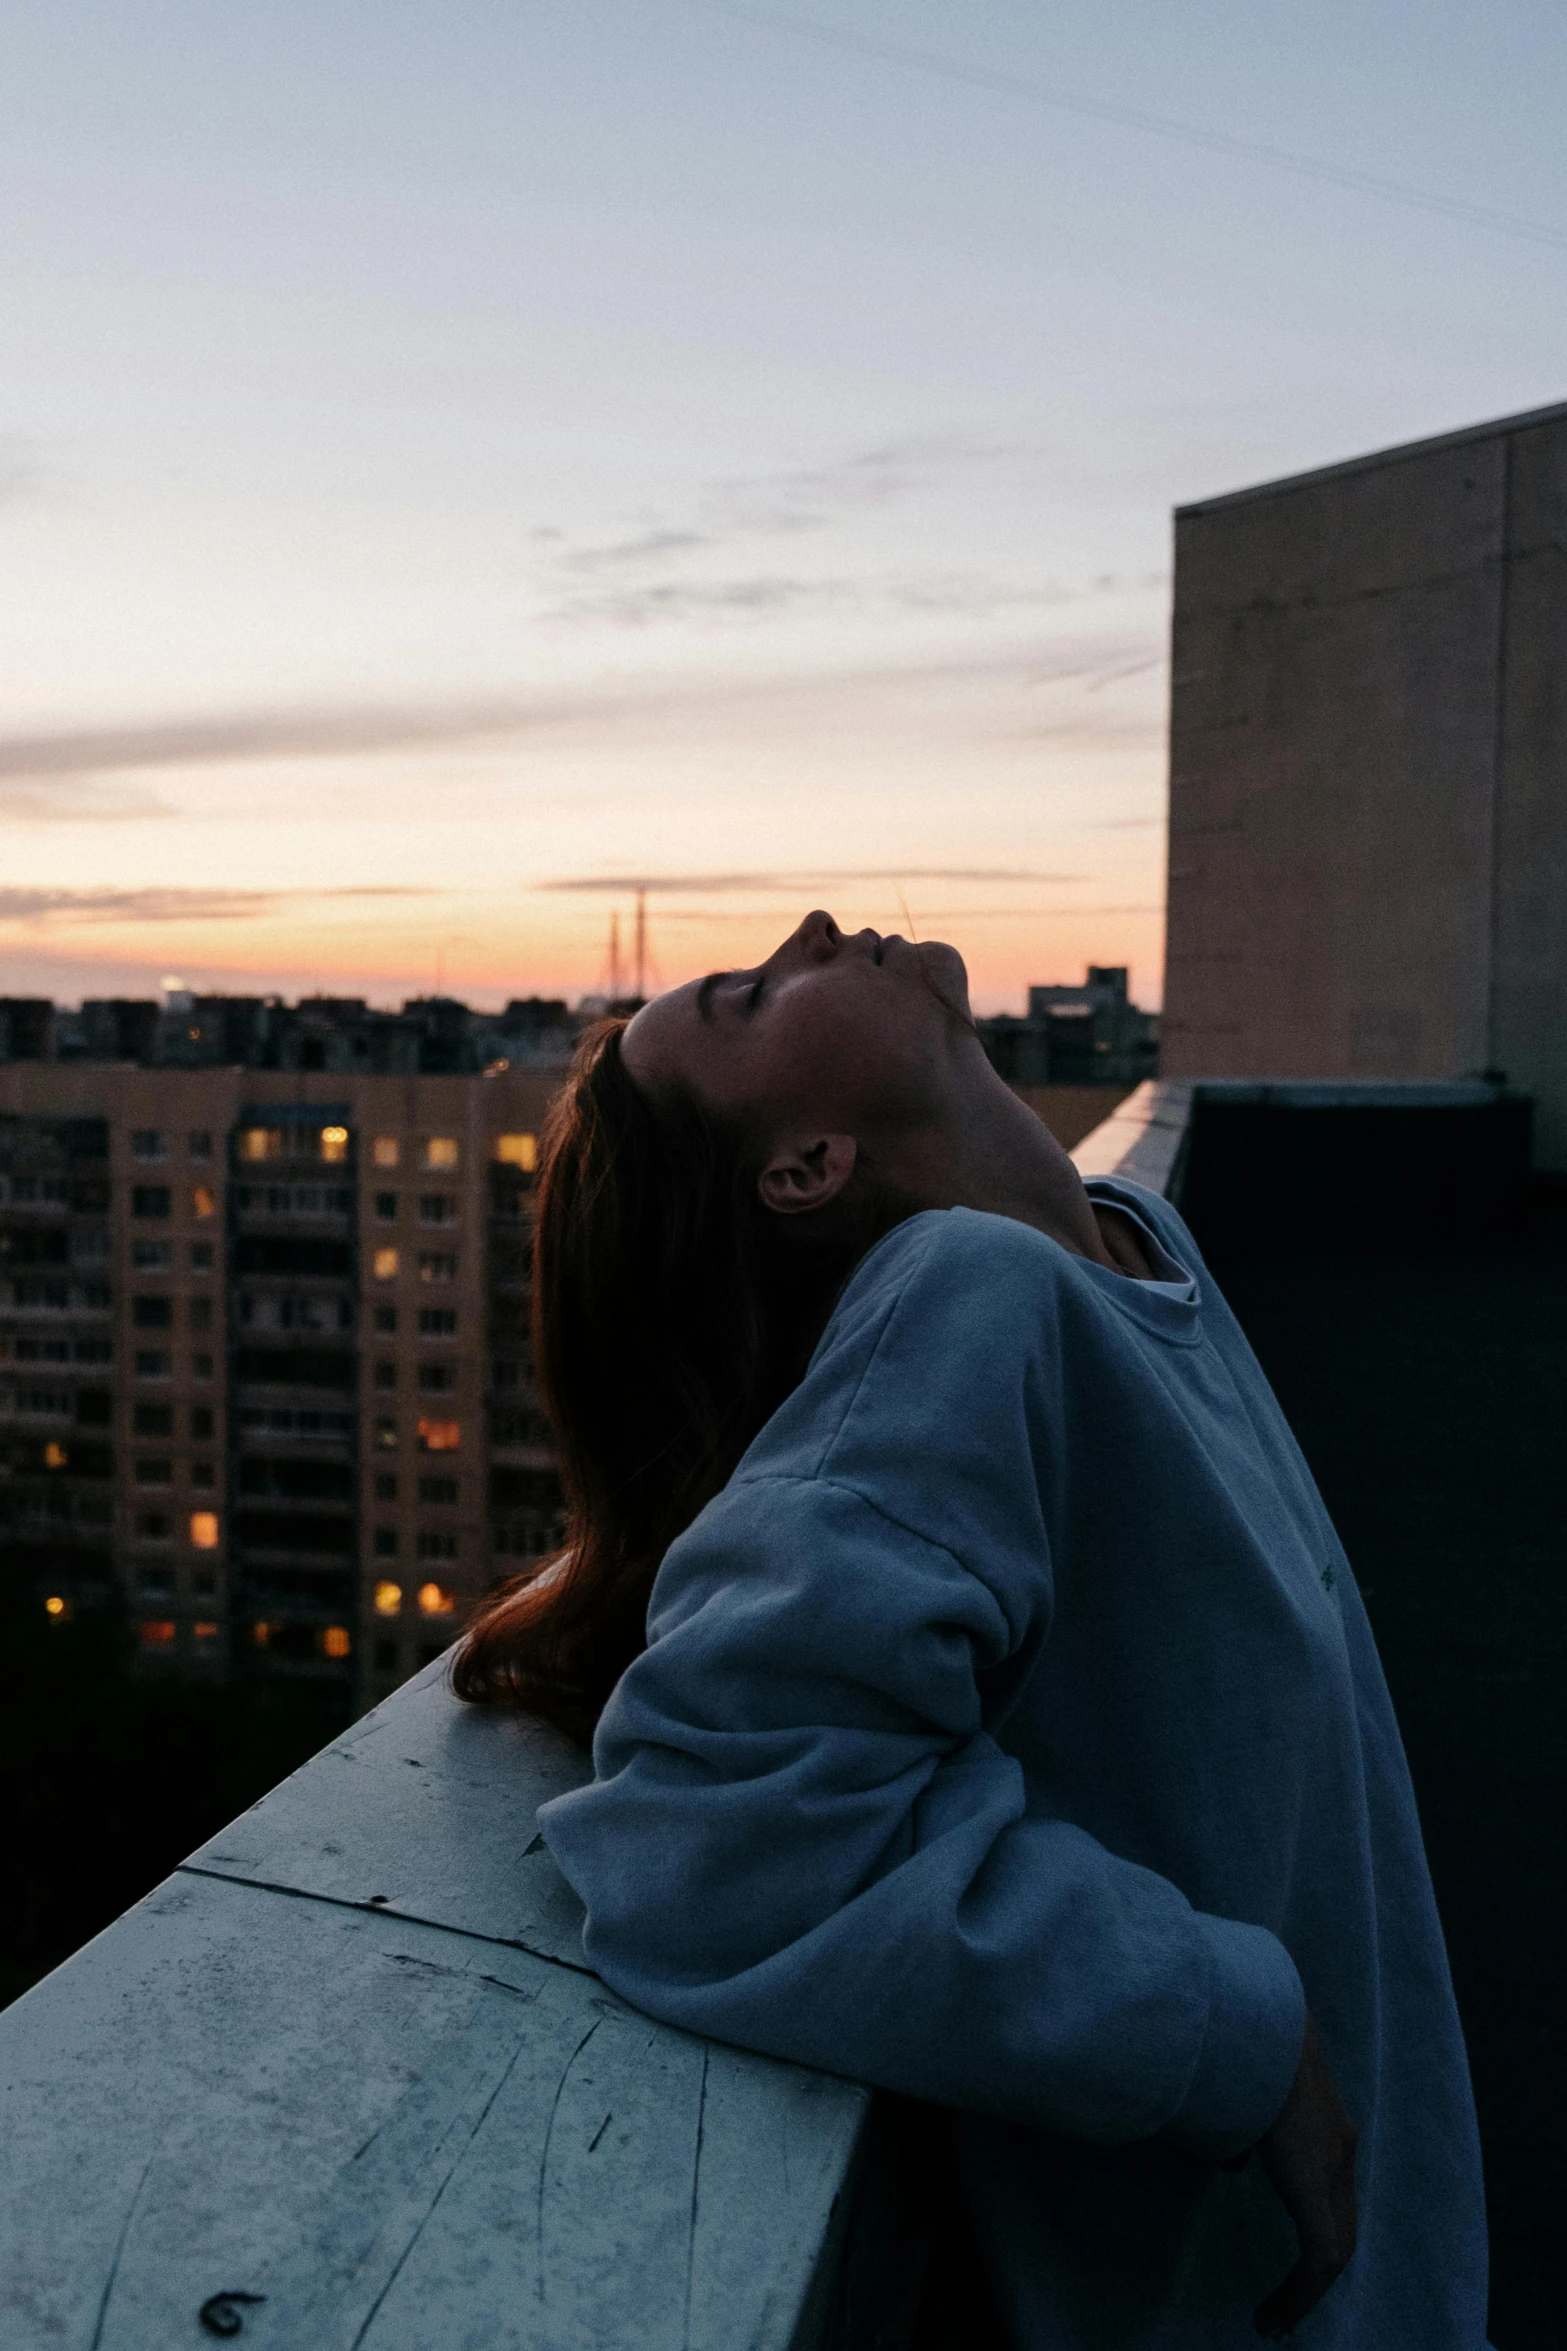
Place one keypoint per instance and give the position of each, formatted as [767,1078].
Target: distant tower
[641,953]
[614,956]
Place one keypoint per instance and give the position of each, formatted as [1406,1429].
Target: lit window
[334,1149]
[335,1641]
[433,1601]
[518,1151]
[386,1436]
[385,1264]
[202,1202]
[260,1143]
[441,1151]
[388,1599]
[204,1530]
[205,1632]
[157,1632]
[439,1436]
[384,1151]
[56,1607]
[55,1456]
[261,1634]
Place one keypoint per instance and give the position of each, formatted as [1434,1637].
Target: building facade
[1093,1035]
[264,1357]
[1368,772]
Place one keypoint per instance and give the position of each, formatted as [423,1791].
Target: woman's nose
[819,935]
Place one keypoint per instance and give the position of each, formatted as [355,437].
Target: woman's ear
[802,1176]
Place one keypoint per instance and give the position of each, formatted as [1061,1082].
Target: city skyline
[454,468]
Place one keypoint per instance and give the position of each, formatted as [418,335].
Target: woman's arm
[802,1839]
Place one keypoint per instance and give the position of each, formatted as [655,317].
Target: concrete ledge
[1145,1139]
[1302,1160]
[343,2083]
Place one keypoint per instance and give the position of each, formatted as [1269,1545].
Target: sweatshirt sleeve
[801,1838]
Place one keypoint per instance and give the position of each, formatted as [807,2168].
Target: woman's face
[852,1033]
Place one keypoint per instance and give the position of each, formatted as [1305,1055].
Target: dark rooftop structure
[431,1036]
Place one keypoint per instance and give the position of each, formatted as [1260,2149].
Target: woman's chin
[947,974]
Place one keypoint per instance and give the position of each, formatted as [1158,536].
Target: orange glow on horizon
[1006,950]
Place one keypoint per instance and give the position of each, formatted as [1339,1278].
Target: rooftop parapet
[344,2080]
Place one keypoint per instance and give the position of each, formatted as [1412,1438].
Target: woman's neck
[988,1150]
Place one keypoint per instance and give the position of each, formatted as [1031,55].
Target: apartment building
[264,1357]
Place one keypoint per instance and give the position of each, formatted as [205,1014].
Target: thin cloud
[152,904]
[144,905]
[740,599]
[21,467]
[674,917]
[764,596]
[650,547]
[76,799]
[245,735]
[58,776]
[810,497]
[795,499]
[723,884]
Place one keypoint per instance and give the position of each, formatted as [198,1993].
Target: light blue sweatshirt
[1010,1734]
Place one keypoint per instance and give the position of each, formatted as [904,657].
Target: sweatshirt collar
[1170,1305]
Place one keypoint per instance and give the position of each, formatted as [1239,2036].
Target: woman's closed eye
[756,991]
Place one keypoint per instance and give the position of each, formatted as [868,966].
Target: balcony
[319,1428]
[287,1205]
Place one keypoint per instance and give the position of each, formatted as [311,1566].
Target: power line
[1159,126]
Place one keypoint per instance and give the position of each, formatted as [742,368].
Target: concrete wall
[1368,772]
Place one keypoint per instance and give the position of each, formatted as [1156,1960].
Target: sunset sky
[462,460]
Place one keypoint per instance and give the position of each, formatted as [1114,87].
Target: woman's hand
[1309,2156]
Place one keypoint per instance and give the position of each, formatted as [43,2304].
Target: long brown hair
[671,1315]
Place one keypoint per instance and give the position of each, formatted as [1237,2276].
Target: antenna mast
[614,955]
[641,946]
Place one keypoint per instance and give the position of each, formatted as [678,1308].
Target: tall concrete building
[1368,771]
[264,1357]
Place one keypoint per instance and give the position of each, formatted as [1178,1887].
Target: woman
[984,1706]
